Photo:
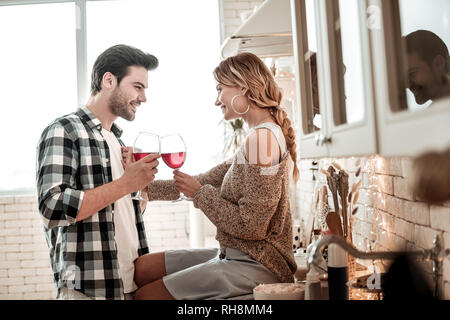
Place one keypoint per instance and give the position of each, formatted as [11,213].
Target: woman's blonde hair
[247,71]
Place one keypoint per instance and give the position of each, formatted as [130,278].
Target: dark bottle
[337,273]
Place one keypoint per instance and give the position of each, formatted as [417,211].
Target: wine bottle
[337,273]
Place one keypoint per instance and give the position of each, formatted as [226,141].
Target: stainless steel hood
[266,33]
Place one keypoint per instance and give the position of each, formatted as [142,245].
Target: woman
[247,199]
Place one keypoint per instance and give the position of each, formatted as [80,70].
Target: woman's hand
[186,183]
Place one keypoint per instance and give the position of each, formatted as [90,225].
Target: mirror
[424,53]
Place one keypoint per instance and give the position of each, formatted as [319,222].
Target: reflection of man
[428,66]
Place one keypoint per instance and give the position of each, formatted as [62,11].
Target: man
[93,229]
[428,66]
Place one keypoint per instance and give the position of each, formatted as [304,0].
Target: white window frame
[401,133]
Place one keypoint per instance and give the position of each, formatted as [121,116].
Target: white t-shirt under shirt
[126,237]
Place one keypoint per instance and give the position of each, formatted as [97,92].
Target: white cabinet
[353,90]
[412,75]
[347,78]
[308,53]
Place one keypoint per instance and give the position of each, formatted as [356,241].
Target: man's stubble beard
[119,106]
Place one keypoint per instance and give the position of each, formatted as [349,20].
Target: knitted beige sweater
[249,205]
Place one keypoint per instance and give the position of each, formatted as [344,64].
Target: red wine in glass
[173,153]
[174,160]
[139,155]
[151,144]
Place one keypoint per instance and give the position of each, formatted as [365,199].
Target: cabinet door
[349,90]
[412,75]
[306,30]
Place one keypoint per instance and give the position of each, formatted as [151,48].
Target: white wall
[25,271]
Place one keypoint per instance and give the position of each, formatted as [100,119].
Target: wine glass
[173,153]
[146,143]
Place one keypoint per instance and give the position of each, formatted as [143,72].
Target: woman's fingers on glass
[180,178]
[180,174]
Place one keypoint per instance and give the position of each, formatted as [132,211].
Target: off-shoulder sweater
[249,205]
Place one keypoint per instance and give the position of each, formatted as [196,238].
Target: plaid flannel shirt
[72,156]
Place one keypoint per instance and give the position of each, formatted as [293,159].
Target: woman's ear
[244,91]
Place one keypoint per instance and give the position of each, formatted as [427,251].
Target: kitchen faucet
[436,254]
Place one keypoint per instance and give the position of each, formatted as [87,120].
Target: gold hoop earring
[232,105]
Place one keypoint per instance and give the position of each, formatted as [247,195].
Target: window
[40,62]
[182,90]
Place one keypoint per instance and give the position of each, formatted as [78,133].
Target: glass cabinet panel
[348,80]
[411,76]
[423,37]
[334,78]
[311,95]
[346,61]
[352,67]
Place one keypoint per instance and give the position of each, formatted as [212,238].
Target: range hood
[266,33]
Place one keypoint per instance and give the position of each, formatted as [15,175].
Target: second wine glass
[173,153]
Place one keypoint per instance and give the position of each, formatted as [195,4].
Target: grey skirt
[201,274]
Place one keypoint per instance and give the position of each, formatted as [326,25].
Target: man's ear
[438,63]
[108,80]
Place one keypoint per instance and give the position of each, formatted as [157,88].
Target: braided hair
[248,71]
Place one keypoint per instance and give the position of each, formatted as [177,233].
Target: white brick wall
[388,212]
[25,271]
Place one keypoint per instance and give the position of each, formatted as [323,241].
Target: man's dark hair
[428,45]
[116,60]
